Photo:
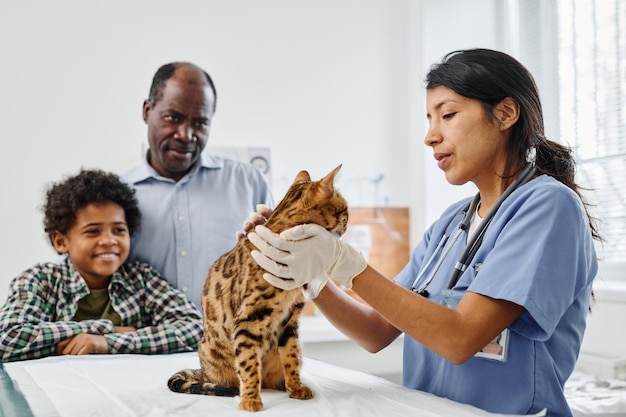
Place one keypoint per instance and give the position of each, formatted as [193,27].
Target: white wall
[320,82]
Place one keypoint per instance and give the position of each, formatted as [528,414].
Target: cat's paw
[251,404]
[300,392]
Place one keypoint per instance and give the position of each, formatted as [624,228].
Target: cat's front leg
[249,372]
[291,358]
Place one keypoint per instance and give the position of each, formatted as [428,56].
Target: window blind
[592,109]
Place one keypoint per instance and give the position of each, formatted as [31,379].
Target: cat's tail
[189,381]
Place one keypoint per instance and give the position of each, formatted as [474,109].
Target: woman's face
[467,145]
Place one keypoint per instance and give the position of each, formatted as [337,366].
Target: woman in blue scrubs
[503,333]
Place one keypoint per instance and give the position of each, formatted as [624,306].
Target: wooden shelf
[389,226]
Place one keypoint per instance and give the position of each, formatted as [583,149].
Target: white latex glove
[311,290]
[305,254]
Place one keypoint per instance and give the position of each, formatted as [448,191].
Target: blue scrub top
[538,252]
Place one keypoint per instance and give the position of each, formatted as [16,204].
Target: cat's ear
[302,176]
[330,177]
[325,185]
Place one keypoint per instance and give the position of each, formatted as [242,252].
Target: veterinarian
[192,202]
[515,263]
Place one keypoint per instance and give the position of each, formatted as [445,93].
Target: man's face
[179,123]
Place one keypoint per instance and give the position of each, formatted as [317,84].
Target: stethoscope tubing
[468,208]
[476,240]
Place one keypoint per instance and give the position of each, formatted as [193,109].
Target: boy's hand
[83,344]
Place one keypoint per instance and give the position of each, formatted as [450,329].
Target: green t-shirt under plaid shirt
[43,300]
[97,305]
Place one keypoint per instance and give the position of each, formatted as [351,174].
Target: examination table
[135,385]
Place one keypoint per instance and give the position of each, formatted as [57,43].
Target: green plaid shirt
[43,300]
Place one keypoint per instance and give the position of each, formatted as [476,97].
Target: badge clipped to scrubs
[494,350]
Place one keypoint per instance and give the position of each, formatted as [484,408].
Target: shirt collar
[122,278]
[144,170]
[76,283]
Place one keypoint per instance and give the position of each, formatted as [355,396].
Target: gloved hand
[263,212]
[305,254]
[311,290]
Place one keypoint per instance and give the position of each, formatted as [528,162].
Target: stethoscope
[476,240]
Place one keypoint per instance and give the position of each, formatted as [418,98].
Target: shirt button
[185,289]
[183,253]
[181,218]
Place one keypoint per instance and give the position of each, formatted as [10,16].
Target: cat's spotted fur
[250,327]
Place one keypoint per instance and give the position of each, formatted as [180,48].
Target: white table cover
[135,385]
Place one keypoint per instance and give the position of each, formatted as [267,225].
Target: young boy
[94,302]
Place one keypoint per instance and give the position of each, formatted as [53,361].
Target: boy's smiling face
[98,243]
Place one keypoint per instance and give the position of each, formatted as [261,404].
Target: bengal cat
[250,327]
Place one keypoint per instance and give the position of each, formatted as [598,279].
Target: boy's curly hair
[64,198]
